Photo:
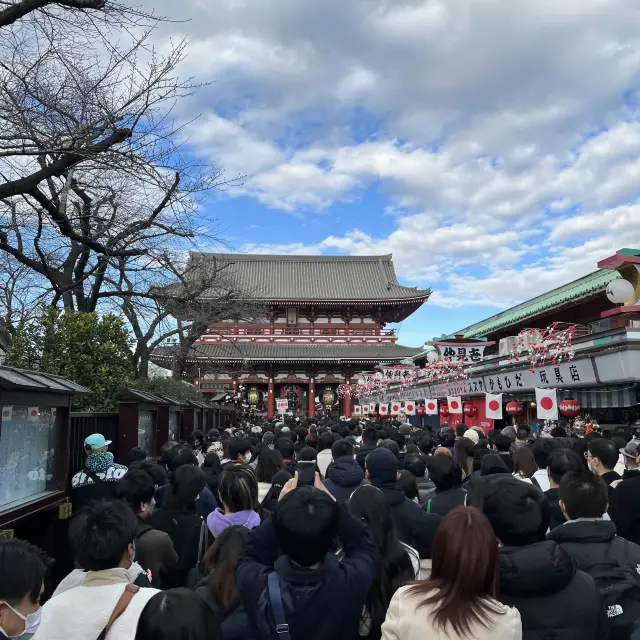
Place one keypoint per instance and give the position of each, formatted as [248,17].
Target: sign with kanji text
[469,352]
[564,375]
[282,404]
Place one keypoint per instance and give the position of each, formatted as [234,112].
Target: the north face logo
[614,611]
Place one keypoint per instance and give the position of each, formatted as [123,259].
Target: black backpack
[619,587]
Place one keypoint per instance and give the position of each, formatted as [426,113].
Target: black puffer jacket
[343,478]
[594,541]
[414,526]
[624,507]
[363,452]
[555,600]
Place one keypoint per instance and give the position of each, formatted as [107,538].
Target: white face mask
[31,623]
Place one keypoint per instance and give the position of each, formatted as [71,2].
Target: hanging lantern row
[569,408]
[470,410]
[514,409]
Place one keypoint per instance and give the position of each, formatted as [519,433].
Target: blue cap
[96,441]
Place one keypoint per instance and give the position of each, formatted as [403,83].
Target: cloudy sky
[492,146]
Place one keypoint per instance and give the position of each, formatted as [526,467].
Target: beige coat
[406,622]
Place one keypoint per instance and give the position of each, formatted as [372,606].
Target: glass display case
[28,440]
[173,426]
[145,430]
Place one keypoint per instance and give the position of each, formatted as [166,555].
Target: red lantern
[514,409]
[569,408]
[470,410]
[421,411]
[444,410]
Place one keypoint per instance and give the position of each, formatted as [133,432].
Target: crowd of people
[343,530]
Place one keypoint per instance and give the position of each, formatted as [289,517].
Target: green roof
[572,292]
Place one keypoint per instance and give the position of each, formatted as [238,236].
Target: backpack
[619,587]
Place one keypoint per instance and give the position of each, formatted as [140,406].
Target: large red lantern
[444,410]
[421,411]
[470,410]
[514,409]
[569,408]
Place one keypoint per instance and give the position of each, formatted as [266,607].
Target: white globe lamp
[619,291]
[432,356]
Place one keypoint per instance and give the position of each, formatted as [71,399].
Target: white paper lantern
[432,356]
[619,291]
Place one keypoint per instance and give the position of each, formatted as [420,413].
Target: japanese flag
[410,407]
[383,409]
[455,404]
[547,404]
[493,405]
[34,413]
[357,410]
[7,412]
[372,407]
[431,407]
[365,409]
[395,408]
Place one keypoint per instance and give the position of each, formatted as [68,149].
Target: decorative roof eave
[301,301]
[201,359]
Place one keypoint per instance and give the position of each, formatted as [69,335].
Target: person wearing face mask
[22,571]
[102,538]
[624,506]
[238,493]
[602,457]
[239,451]
[96,480]
[154,549]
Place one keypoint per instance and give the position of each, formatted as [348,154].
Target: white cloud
[504,135]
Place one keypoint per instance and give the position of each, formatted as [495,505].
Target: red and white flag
[34,413]
[7,412]
[410,407]
[365,409]
[493,405]
[357,410]
[431,407]
[383,409]
[547,404]
[455,404]
[395,408]
[372,407]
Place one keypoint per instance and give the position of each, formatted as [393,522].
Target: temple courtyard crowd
[343,530]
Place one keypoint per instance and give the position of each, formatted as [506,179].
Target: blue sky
[492,146]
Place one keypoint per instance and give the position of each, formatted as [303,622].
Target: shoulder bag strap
[130,590]
[92,475]
[429,505]
[275,598]
[534,481]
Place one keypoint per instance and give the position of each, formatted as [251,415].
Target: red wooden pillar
[347,400]
[271,401]
[312,397]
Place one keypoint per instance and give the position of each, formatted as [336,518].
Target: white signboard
[564,375]
[282,405]
[470,355]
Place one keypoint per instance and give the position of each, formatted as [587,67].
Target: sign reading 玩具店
[565,375]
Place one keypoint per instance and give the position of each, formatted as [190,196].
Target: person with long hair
[269,463]
[219,589]
[458,601]
[463,456]
[398,564]
[179,519]
[238,493]
[524,464]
